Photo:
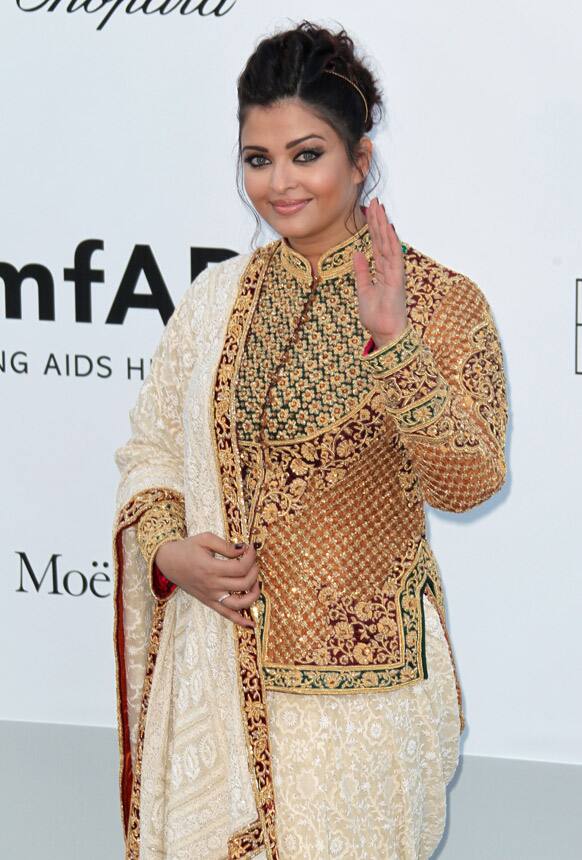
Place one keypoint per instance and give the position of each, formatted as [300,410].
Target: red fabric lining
[126,772]
[370,346]
[161,586]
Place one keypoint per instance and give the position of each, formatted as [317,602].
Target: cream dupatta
[187,782]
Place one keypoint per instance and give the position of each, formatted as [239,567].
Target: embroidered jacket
[328,449]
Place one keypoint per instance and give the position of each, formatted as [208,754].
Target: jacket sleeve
[160,522]
[446,391]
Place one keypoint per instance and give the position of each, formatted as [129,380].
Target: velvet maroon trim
[126,767]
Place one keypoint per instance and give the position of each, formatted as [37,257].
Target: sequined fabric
[341,447]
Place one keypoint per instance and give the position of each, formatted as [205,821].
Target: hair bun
[319,59]
[290,64]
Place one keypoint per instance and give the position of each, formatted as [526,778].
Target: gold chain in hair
[355,86]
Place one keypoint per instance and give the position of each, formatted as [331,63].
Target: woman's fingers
[214,543]
[374,226]
[233,616]
[385,249]
[234,567]
[380,244]
[389,258]
[394,240]
[239,601]
[361,271]
[383,229]
[230,607]
[236,583]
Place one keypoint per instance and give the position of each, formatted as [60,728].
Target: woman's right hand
[190,563]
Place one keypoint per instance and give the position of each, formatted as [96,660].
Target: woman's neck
[313,248]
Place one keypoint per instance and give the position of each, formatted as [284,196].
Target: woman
[286,687]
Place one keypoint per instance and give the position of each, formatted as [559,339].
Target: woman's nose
[282,178]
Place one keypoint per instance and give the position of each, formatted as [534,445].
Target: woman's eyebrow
[289,145]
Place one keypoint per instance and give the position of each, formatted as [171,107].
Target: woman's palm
[382,300]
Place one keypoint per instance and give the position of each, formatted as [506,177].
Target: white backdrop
[126,135]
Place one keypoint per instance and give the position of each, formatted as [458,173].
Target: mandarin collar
[336,261]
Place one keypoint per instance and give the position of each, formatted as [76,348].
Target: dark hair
[291,64]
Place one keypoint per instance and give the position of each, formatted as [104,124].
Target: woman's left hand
[382,304]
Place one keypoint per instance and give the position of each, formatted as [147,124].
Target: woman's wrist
[382,340]
[164,556]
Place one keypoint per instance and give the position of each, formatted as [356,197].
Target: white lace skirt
[363,776]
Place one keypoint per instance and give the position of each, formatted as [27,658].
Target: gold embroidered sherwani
[332,729]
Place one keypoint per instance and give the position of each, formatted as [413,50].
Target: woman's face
[297,173]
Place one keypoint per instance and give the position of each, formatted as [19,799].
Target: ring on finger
[224,596]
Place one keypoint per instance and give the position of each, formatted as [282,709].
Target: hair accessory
[355,86]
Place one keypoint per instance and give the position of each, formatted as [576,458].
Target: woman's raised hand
[190,563]
[382,302]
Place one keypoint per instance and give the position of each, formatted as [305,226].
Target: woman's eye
[252,160]
[312,154]
[302,157]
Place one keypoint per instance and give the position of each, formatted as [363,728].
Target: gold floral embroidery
[445,390]
[290,469]
[393,355]
[254,710]
[415,391]
[133,831]
[482,376]
[141,502]
[368,640]
[317,380]
[335,263]
[365,636]
[162,522]
[246,843]
[235,516]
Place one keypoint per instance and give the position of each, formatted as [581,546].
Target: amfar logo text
[204,8]
[83,277]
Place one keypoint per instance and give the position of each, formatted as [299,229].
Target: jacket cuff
[393,355]
[159,524]
[416,392]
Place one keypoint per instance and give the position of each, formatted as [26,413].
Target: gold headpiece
[355,86]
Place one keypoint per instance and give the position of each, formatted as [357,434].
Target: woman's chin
[294,227]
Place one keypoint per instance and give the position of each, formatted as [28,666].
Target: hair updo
[293,64]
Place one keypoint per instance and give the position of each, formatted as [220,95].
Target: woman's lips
[290,208]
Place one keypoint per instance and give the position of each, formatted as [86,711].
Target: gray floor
[58,801]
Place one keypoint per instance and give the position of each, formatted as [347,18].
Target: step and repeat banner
[118,165]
